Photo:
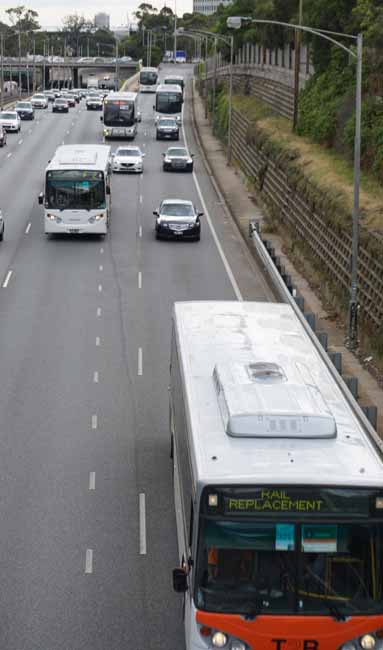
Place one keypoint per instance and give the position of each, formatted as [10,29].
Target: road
[84,358]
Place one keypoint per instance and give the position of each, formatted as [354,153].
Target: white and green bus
[76,195]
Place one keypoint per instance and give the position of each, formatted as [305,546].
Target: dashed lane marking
[27,229]
[142,518]
[92,480]
[89,561]
[7,279]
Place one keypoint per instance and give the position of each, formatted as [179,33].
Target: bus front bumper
[58,226]
[120,132]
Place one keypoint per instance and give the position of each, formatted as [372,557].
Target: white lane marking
[140,231]
[9,154]
[72,123]
[101,250]
[92,480]
[139,279]
[141,198]
[139,369]
[20,141]
[98,312]
[68,132]
[100,288]
[95,377]
[215,237]
[30,131]
[27,229]
[89,561]
[144,144]
[38,122]
[101,268]
[63,142]
[94,422]
[7,278]
[98,341]
[142,512]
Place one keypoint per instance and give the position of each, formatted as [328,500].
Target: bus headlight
[106,131]
[98,217]
[51,217]
[219,640]
[367,642]
[238,645]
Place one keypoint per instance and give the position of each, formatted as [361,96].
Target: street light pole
[19,40]
[230,108]
[175,31]
[214,83]
[297,66]
[353,307]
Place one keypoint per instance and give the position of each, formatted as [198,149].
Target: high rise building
[208,6]
[102,21]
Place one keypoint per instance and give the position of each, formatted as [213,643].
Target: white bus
[76,197]
[278,487]
[148,80]
[120,115]
[169,100]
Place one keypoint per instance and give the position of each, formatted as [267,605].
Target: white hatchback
[39,101]
[10,121]
[128,159]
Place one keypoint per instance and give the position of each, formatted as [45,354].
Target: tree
[23,19]
[369,14]
[74,27]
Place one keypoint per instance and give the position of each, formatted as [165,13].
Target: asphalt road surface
[87,520]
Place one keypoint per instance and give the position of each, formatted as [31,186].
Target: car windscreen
[23,105]
[75,189]
[61,101]
[177,152]
[132,153]
[8,116]
[167,123]
[178,209]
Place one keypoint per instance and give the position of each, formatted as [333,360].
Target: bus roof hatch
[78,157]
[257,400]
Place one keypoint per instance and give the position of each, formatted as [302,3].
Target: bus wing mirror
[156,213]
[108,189]
[200,214]
[180,583]
[41,198]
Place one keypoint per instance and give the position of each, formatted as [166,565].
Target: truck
[92,82]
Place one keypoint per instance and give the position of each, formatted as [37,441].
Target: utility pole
[2,69]
[87,47]
[206,86]
[175,31]
[117,68]
[20,82]
[297,66]
[214,84]
[34,67]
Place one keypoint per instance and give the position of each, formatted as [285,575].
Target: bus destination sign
[295,500]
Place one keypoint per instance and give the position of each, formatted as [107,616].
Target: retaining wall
[330,249]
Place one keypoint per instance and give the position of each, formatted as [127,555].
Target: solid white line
[98,312]
[142,511]
[20,142]
[7,278]
[139,279]
[215,237]
[140,231]
[94,421]
[9,154]
[100,287]
[28,228]
[139,371]
[89,561]
[101,250]
[141,198]
[101,268]
[98,341]
[95,377]
[92,480]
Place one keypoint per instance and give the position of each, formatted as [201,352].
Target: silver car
[39,101]
[128,159]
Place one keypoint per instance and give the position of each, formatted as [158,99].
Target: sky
[51,12]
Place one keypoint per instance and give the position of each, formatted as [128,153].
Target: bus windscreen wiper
[334,610]
[252,609]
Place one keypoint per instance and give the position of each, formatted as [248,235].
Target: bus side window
[191,524]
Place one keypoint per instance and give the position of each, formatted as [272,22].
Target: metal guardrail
[286,292]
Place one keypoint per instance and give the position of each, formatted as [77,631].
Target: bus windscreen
[148,78]
[70,189]
[298,559]
[169,102]
[118,112]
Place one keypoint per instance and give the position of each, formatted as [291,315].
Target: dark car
[177,219]
[177,159]
[167,128]
[60,105]
[25,110]
[3,137]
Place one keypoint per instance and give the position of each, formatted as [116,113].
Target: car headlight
[219,640]
[367,642]
[98,217]
[51,217]
[106,131]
